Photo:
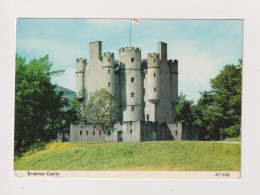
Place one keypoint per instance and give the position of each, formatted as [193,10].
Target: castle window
[132,94]
[132,59]
[131,131]
[99,132]
[108,84]
[144,104]
[109,133]
[144,91]
[130,122]
[132,79]
[121,123]
[147,117]
[108,71]
[80,132]
[87,132]
[132,108]
[93,132]
[108,60]
[154,89]
[154,60]
[176,133]
[154,74]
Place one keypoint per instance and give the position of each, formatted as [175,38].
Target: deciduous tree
[101,109]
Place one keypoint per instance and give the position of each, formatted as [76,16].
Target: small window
[144,91]
[132,94]
[130,122]
[176,133]
[108,71]
[121,123]
[154,74]
[108,84]
[99,132]
[147,117]
[94,132]
[131,131]
[154,60]
[132,59]
[144,104]
[109,133]
[132,108]
[132,79]
[87,132]
[108,60]
[154,89]
[80,132]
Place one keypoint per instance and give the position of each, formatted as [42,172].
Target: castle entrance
[120,136]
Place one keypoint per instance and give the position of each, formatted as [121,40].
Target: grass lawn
[138,156]
[236,139]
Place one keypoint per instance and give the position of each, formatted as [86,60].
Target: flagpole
[130,31]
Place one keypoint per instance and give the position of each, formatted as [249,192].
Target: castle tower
[80,68]
[174,82]
[130,83]
[108,72]
[153,78]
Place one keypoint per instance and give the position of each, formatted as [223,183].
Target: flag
[135,21]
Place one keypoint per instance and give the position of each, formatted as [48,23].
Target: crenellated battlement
[81,60]
[153,60]
[173,65]
[153,56]
[127,49]
[108,55]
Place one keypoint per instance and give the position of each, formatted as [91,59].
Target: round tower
[80,68]
[153,78]
[108,72]
[130,83]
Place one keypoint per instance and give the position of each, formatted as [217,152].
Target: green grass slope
[143,156]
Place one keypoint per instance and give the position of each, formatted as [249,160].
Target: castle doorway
[120,136]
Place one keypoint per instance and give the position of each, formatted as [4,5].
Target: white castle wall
[128,80]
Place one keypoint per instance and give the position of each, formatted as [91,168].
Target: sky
[202,47]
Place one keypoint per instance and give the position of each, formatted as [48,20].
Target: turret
[130,58]
[130,83]
[80,68]
[153,78]
[108,71]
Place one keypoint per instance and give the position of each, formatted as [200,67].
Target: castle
[145,90]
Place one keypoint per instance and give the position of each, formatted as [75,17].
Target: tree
[38,108]
[219,109]
[101,109]
[70,114]
[184,112]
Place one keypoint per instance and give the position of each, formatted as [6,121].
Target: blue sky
[202,47]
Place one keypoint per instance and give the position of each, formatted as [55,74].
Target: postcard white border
[178,9]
